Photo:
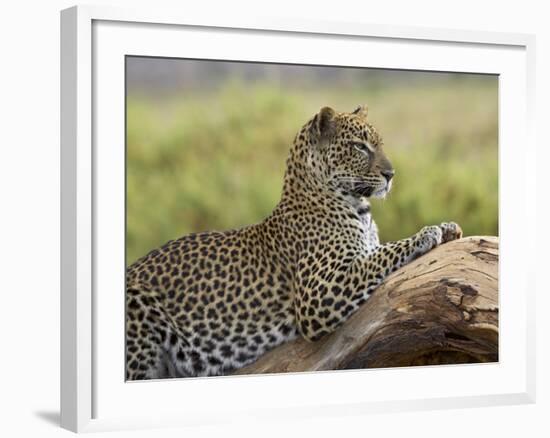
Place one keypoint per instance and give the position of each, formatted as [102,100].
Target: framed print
[256,208]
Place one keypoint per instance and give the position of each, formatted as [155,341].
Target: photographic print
[290,218]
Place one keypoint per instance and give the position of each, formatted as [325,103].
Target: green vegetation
[216,161]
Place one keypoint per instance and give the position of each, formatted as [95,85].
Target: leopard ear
[361,109]
[324,123]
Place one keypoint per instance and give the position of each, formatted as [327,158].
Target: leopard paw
[450,231]
[428,238]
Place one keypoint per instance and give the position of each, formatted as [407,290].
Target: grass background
[207,152]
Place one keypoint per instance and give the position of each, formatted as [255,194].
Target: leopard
[210,303]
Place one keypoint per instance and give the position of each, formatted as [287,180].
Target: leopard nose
[388,174]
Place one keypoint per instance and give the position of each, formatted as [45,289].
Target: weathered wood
[442,308]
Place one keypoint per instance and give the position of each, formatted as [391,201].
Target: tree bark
[440,309]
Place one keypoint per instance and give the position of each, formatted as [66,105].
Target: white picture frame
[94,396]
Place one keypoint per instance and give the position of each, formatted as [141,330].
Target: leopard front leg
[327,297]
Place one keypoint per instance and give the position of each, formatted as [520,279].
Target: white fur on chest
[370,230]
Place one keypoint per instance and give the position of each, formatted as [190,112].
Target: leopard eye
[360,146]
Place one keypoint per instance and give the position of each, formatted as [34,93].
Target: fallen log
[440,309]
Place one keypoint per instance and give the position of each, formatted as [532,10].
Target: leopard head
[343,152]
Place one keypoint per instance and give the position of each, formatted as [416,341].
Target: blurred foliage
[214,161]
